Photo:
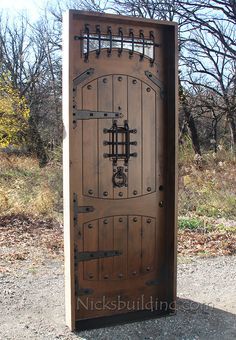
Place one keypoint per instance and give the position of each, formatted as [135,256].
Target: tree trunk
[36,143]
[232,129]
[192,128]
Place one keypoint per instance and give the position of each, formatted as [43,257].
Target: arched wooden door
[119,168]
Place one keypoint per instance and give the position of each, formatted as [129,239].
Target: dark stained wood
[149,139]
[90,243]
[148,249]
[105,97]
[139,220]
[134,246]
[120,243]
[106,242]
[135,122]
[90,149]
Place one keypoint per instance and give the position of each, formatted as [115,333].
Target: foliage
[14,114]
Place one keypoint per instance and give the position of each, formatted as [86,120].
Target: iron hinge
[88,114]
[93,255]
[80,209]
[157,82]
[153,282]
[81,291]
[82,77]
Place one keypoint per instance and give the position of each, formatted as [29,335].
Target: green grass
[190,223]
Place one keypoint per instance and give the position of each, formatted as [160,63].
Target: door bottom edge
[130,317]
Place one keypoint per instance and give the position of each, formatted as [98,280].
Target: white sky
[31,7]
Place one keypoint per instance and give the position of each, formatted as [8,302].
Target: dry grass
[26,188]
[207,185]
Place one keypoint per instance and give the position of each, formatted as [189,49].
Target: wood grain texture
[139,220]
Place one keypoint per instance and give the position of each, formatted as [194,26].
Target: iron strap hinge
[80,209]
[81,291]
[82,77]
[87,114]
[93,255]
[153,282]
[157,82]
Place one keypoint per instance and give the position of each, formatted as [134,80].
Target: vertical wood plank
[148,139]
[90,146]
[135,122]
[134,246]
[91,244]
[106,242]
[105,164]
[120,105]
[120,243]
[148,244]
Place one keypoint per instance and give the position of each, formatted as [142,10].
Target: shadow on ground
[193,320]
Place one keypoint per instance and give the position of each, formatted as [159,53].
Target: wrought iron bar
[131,34]
[152,37]
[121,41]
[86,55]
[98,31]
[110,40]
[127,141]
[143,41]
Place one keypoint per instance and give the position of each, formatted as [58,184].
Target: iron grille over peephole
[120,147]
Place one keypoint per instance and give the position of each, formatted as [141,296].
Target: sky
[31,7]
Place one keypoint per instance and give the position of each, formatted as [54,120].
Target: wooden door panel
[120,102]
[134,246]
[119,164]
[90,147]
[120,243]
[90,243]
[135,121]
[106,242]
[105,101]
[149,138]
[149,242]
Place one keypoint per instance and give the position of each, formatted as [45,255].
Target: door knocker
[119,179]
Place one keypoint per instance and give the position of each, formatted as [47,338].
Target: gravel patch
[32,304]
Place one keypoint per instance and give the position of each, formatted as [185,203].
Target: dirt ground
[32,289]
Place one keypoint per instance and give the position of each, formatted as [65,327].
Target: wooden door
[119,168]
